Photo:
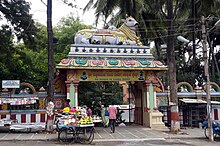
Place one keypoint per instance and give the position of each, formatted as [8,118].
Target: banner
[110,75]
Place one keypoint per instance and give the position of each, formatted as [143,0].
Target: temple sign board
[110,75]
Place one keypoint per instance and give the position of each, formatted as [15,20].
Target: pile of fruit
[85,120]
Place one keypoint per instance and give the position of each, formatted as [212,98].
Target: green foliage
[16,12]
[38,65]
[107,92]
[28,62]
[6,52]
[152,18]
[65,32]
[40,39]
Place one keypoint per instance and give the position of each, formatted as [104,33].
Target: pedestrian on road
[112,117]
[106,119]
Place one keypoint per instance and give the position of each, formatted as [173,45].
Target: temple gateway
[124,63]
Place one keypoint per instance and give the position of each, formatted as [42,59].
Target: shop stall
[21,111]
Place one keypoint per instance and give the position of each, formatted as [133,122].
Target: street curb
[29,139]
[127,140]
[95,140]
[188,137]
[111,140]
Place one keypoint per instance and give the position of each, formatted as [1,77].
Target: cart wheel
[58,129]
[66,134]
[86,136]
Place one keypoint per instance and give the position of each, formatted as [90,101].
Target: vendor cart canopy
[188,100]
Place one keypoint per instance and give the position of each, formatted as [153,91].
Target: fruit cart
[73,128]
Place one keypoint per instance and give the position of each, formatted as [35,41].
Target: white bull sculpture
[124,35]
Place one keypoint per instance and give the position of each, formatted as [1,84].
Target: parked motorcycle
[215,127]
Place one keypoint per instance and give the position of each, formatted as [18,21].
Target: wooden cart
[76,133]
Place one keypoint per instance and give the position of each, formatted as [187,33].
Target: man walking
[112,117]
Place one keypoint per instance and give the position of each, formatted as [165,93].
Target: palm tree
[107,8]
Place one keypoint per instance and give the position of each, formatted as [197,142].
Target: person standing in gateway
[112,117]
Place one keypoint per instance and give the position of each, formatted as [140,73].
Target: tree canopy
[23,42]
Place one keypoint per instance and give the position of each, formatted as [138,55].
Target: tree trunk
[50,51]
[175,125]
[158,49]
[50,92]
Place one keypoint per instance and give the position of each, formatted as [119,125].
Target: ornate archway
[214,87]
[185,86]
[27,85]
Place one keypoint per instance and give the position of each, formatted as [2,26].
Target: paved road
[124,136]
[168,142]
[128,133]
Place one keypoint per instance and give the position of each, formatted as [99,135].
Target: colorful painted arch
[111,63]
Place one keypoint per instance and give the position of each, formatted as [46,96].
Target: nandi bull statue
[124,35]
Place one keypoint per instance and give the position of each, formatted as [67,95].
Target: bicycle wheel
[86,135]
[66,134]
[206,132]
[58,129]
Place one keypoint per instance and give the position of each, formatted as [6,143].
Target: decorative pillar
[152,117]
[154,82]
[72,93]
[72,87]
[76,84]
[69,93]
[147,83]
[151,95]
[125,91]
[147,120]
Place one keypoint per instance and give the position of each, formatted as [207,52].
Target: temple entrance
[104,88]
[127,95]
[133,67]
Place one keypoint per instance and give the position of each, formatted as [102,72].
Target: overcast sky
[59,10]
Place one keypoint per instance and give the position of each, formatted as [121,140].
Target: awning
[188,100]
[215,102]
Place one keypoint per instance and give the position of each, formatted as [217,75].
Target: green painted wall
[72,95]
[151,98]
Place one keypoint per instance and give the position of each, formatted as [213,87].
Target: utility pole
[50,92]
[206,69]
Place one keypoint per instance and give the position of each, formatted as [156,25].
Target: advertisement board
[10,83]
